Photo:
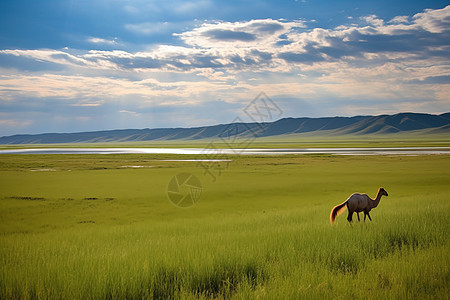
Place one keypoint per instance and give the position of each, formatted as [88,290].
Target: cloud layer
[401,63]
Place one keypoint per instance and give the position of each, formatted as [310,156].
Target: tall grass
[248,243]
[274,255]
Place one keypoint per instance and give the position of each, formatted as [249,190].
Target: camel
[358,203]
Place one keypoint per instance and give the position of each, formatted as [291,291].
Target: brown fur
[357,203]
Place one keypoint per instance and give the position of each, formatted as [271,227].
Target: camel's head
[383,192]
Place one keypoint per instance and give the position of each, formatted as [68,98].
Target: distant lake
[200,151]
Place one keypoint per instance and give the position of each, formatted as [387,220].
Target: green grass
[84,227]
[304,140]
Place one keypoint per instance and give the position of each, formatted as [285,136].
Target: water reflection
[200,151]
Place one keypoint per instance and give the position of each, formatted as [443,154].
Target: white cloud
[97,40]
[53,56]
[233,61]
[435,21]
[88,103]
[265,44]
[255,33]
[91,89]
[124,111]
[373,20]
[399,19]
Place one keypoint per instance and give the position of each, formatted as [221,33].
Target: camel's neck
[377,199]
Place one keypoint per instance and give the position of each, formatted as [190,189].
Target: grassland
[304,140]
[93,227]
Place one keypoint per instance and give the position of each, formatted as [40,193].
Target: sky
[78,65]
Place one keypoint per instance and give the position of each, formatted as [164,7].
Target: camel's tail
[336,211]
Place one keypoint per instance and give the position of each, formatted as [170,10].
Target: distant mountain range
[360,125]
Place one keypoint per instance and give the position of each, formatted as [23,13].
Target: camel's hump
[358,195]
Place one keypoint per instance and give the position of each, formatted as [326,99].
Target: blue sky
[75,65]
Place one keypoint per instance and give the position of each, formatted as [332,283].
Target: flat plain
[102,227]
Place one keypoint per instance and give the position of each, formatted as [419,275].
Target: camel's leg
[349,218]
[358,216]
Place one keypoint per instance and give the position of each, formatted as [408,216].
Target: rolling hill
[358,125]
